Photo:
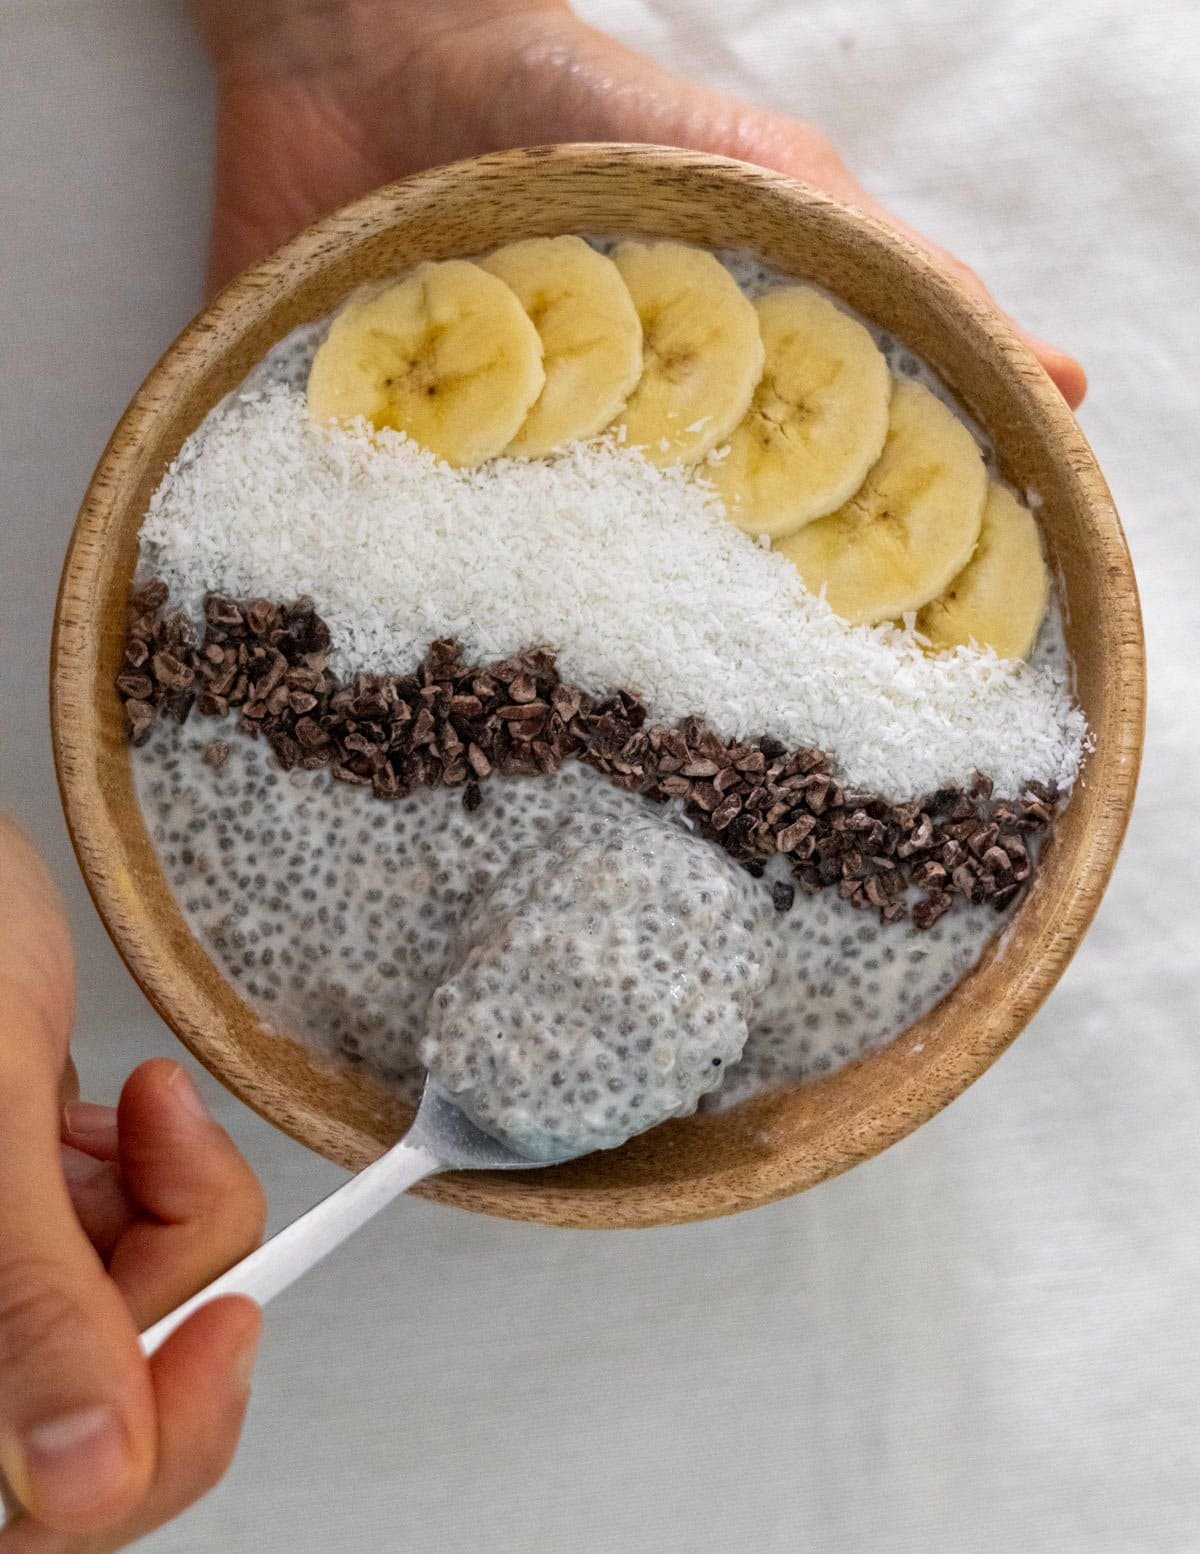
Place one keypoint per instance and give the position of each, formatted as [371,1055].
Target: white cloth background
[985,1340]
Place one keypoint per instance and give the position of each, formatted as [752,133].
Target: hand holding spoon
[441,1139]
[609,1041]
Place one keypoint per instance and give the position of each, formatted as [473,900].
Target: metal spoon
[440,1139]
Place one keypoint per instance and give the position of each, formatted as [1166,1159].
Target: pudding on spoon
[604,984]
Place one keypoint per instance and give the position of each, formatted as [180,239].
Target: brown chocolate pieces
[453,724]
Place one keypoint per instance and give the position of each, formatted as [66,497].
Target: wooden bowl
[776,1144]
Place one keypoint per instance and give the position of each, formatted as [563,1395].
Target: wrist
[265,39]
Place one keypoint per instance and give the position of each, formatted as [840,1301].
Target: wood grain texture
[776,1144]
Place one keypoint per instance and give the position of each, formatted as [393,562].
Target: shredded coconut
[631,573]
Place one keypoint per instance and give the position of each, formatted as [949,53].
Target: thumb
[77,1422]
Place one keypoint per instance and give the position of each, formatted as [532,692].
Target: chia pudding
[714,840]
[337,917]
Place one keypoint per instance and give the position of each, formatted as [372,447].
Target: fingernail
[243,1367]
[74,1462]
[78,1168]
[1044,348]
[188,1096]
[93,1126]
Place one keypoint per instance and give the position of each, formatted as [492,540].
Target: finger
[202,1382]
[1062,369]
[205,1207]
[92,1129]
[201,1385]
[77,1436]
[102,1206]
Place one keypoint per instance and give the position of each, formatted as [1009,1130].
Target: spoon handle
[302,1244]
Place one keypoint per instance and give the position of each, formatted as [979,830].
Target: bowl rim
[146,949]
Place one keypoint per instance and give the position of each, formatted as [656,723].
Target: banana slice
[702,349]
[999,598]
[447,355]
[910,529]
[591,337]
[817,421]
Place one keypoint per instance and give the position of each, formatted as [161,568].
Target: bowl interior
[776,1144]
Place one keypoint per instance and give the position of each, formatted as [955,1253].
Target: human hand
[322,100]
[101,1234]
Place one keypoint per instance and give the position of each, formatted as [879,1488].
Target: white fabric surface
[984,1340]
